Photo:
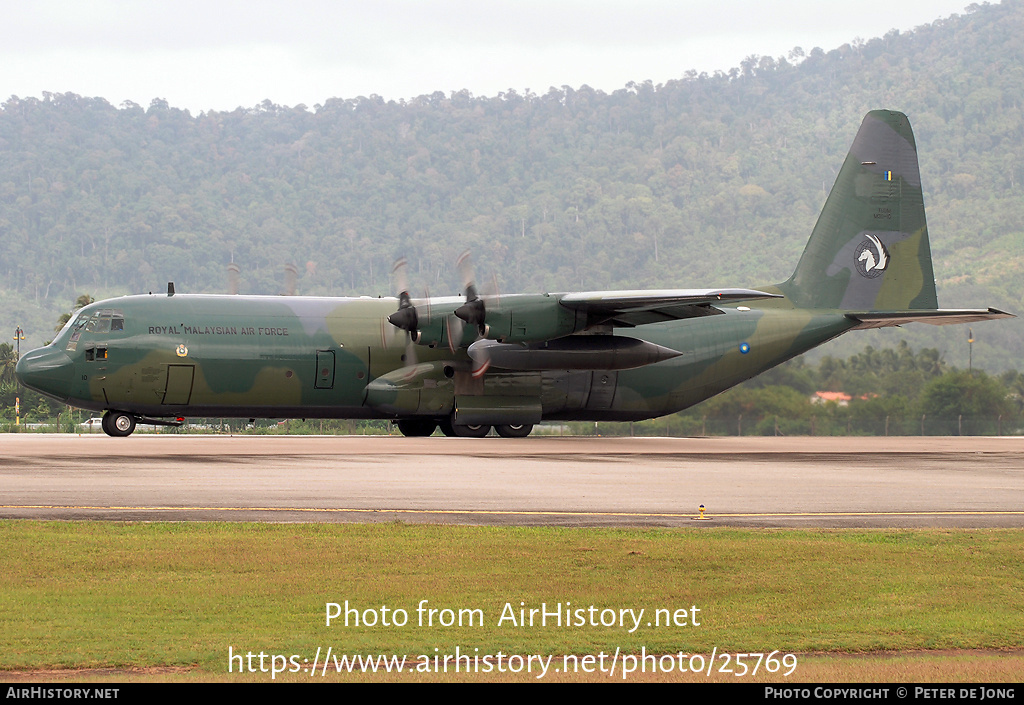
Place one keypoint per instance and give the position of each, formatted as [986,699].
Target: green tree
[81,302]
[958,397]
[8,360]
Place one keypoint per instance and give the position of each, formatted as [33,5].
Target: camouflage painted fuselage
[621,355]
[304,357]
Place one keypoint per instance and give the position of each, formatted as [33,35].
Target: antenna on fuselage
[291,277]
[233,277]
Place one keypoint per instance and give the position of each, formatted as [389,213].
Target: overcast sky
[221,54]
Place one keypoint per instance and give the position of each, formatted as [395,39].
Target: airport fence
[740,425]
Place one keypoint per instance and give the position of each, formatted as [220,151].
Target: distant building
[838,397]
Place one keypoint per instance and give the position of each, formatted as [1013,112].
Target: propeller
[412,318]
[406,317]
[474,311]
[454,327]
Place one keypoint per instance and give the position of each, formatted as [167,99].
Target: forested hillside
[706,180]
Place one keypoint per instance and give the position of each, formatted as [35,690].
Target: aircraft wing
[935,317]
[634,308]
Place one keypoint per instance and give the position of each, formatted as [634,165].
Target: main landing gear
[521,430]
[118,424]
[414,428]
[417,428]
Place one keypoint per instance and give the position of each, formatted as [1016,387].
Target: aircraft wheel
[521,430]
[118,424]
[475,431]
[414,428]
[446,427]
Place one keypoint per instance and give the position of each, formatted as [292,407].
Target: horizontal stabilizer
[935,317]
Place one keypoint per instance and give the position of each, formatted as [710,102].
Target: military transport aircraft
[473,362]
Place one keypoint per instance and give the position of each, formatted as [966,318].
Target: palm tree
[8,360]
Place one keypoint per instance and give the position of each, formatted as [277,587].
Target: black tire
[514,430]
[476,431]
[446,427]
[416,428]
[118,424]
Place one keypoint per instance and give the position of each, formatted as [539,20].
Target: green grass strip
[99,594]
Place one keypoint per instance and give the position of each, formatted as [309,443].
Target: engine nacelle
[529,318]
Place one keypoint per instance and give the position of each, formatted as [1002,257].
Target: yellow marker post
[19,335]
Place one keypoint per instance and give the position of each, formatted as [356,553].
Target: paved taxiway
[756,482]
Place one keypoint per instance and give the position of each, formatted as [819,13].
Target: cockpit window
[99,321]
[70,322]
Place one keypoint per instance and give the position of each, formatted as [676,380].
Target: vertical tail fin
[869,250]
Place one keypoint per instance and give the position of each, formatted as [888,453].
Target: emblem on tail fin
[876,199]
[871,257]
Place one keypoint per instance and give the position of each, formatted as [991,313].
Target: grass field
[908,605]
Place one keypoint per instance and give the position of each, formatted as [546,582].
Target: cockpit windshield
[101,320]
[70,322]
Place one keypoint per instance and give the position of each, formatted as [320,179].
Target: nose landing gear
[118,424]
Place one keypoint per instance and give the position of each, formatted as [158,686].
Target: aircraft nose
[46,370]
